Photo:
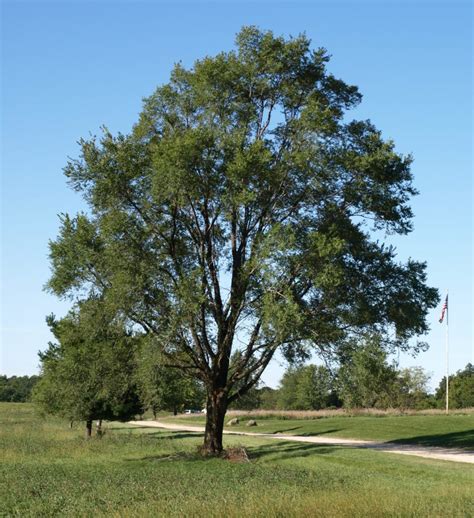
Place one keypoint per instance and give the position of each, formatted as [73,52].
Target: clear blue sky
[70,67]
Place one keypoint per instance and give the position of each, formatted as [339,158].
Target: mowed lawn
[452,431]
[48,469]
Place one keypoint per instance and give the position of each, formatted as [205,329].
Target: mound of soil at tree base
[238,454]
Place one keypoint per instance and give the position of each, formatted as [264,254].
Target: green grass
[454,431]
[48,469]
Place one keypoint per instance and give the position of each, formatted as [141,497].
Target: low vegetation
[48,469]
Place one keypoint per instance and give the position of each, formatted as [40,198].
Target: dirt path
[433,452]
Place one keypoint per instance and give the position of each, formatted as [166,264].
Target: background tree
[237,216]
[165,388]
[461,389]
[411,389]
[88,373]
[251,400]
[308,387]
[286,398]
[268,398]
[315,388]
[366,380]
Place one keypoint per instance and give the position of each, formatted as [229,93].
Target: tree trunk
[216,409]
[88,428]
[98,428]
[175,410]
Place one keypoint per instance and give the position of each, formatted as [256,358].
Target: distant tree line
[98,369]
[132,377]
[366,381]
[17,389]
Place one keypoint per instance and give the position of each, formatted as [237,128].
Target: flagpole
[447,354]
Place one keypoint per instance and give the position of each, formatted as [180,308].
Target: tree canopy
[238,215]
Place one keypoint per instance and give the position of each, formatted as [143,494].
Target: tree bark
[88,428]
[216,408]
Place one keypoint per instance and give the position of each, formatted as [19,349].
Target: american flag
[443,310]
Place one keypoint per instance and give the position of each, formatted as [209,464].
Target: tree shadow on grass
[175,435]
[153,431]
[129,428]
[289,450]
[177,455]
[463,440]
[286,430]
[277,451]
[167,457]
[167,434]
[322,432]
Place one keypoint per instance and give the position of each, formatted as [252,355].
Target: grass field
[455,431]
[48,469]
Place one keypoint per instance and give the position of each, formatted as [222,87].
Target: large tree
[238,215]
